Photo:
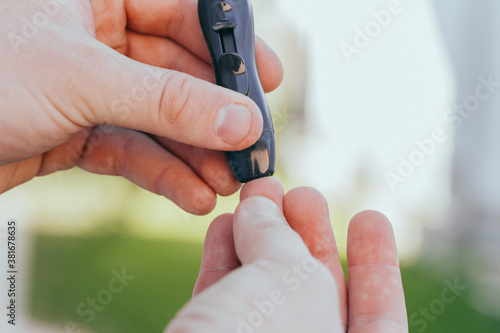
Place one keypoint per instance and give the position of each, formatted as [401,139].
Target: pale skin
[246,255]
[125,87]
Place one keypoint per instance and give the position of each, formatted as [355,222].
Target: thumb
[261,232]
[171,104]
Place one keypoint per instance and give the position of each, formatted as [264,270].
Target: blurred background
[389,105]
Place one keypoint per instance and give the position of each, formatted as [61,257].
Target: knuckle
[175,103]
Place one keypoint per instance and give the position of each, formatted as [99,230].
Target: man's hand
[99,85]
[273,266]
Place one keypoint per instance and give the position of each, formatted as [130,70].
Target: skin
[246,254]
[85,80]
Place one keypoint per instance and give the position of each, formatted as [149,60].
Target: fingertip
[370,219]
[269,187]
[271,70]
[228,186]
[200,201]
[219,255]
[273,77]
[370,239]
[307,212]
[221,226]
[219,244]
[299,194]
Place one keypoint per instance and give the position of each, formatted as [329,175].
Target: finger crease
[120,164]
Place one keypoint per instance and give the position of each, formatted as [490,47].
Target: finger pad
[370,239]
[218,249]
[219,255]
[306,210]
[270,68]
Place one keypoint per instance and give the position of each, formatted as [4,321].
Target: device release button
[233,73]
[222,16]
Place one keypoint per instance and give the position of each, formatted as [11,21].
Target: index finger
[376,298]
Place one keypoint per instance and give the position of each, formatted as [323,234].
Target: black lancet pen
[229,32]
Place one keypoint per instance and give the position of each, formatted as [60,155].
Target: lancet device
[229,33]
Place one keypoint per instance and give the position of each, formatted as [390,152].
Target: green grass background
[67,270]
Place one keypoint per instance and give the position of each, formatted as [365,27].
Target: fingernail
[261,206]
[233,123]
